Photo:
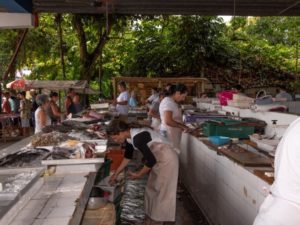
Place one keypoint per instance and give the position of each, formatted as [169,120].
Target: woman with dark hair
[77,104]
[53,109]
[171,114]
[160,160]
[69,104]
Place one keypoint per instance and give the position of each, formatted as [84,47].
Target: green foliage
[251,48]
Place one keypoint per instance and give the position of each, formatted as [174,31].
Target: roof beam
[175,7]
[17,6]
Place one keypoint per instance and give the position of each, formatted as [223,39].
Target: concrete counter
[228,193]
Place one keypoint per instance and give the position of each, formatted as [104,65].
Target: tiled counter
[56,201]
[228,194]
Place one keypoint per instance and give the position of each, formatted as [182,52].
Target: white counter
[228,194]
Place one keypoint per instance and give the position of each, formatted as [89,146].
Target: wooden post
[100,75]
[22,35]
[114,87]
[60,35]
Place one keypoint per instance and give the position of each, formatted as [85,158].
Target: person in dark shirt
[77,104]
[69,104]
[160,161]
[34,107]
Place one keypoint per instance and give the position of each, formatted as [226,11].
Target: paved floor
[4,145]
[187,212]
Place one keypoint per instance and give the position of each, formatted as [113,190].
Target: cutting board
[262,174]
[245,157]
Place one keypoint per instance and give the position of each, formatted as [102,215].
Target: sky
[226,18]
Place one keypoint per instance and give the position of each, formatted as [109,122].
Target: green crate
[118,215]
[118,199]
[228,128]
[103,171]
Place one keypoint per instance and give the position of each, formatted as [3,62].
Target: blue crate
[219,140]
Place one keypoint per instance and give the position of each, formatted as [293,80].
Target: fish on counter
[49,139]
[59,128]
[25,158]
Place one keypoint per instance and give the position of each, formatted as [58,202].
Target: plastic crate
[103,171]
[228,128]
[116,156]
[219,140]
[118,208]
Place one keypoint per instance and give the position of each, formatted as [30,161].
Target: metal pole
[0,97]
[297,56]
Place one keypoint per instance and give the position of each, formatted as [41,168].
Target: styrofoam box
[100,106]
[241,98]
[239,104]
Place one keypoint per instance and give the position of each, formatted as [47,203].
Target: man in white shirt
[282,205]
[122,100]
[154,96]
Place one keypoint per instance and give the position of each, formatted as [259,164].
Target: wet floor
[187,212]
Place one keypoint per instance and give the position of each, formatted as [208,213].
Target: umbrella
[16,84]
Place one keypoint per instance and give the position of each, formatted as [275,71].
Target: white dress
[173,133]
[38,126]
[123,109]
[282,206]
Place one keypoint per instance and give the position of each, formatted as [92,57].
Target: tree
[88,53]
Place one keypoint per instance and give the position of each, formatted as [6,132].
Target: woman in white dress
[171,114]
[42,119]
[160,160]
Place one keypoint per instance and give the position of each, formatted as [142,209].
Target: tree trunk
[58,19]
[88,60]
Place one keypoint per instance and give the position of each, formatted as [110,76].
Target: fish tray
[9,199]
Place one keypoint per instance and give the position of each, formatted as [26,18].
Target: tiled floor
[6,144]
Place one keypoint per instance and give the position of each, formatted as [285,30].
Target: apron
[160,193]
[277,211]
[155,124]
[174,133]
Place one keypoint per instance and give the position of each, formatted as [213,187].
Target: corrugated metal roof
[186,7]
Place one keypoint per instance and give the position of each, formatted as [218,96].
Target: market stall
[230,179]
[65,184]
[49,177]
